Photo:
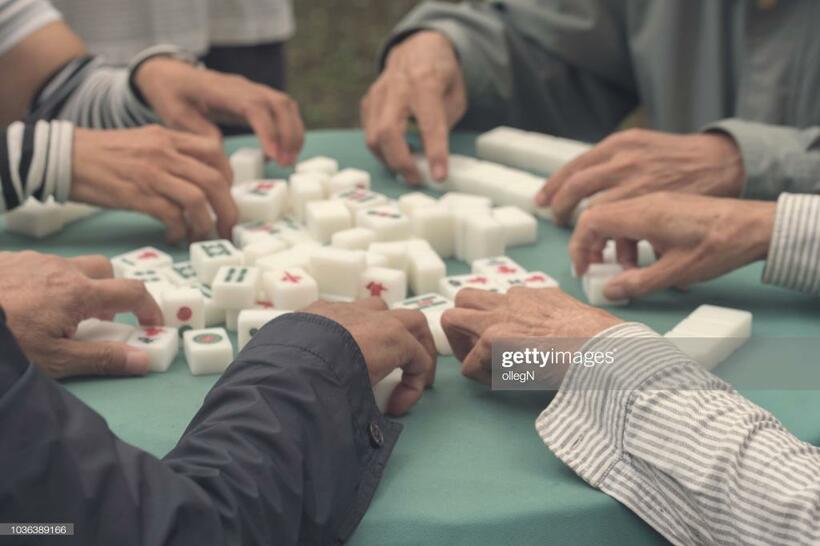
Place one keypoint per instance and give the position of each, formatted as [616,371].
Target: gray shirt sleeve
[776,158]
[19,18]
[794,252]
[554,66]
[679,447]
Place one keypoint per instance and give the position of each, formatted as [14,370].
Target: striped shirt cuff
[35,161]
[586,424]
[794,252]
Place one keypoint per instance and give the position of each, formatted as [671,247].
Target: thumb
[637,281]
[102,358]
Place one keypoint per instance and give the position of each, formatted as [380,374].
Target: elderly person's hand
[181,179]
[637,161]
[193,99]
[481,318]
[421,80]
[696,238]
[388,340]
[46,297]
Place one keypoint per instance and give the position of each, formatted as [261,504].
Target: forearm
[290,441]
[523,64]
[794,252]
[280,452]
[680,448]
[776,159]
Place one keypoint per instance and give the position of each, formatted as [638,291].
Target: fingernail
[439,171]
[615,292]
[137,362]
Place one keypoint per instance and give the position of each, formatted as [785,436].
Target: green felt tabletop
[469,467]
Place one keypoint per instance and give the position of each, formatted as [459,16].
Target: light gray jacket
[577,67]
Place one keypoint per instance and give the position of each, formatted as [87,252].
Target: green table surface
[469,467]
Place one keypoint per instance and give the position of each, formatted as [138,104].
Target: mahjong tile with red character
[143,258]
[160,342]
[449,286]
[498,265]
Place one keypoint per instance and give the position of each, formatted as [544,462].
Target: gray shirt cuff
[794,252]
[775,158]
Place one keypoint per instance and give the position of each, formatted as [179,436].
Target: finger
[626,250]
[206,149]
[665,273]
[191,200]
[596,155]
[477,364]
[580,185]
[95,267]
[463,328]
[167,212]
[121,296]
[460,339]
[216,188]
[261,119]
[601,223]
[100,358]
[396,153]
[296,130]
[431,118]
[415,372]
[416,324]
[474,298]
[287,124]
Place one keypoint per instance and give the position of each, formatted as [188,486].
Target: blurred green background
[332,58]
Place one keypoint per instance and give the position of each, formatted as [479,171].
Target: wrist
[729,163]
[759,227]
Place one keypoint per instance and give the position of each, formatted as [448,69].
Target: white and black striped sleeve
[680,448]
[90,93]
[35,161]
[794,252]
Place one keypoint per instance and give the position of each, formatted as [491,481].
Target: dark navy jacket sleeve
[287,448]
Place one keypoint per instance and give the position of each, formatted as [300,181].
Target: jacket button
[376,436]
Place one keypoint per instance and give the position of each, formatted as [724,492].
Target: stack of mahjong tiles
[322,234]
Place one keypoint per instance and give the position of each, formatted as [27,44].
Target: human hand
[637,161]
[481,318]
[193,99]
[388,340]
[697,238]
[46,297]
[176,177]
[421,79]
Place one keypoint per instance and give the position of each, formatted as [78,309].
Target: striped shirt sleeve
[794,252]
[681,449]
[35,161]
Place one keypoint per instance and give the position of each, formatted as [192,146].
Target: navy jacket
[287,448]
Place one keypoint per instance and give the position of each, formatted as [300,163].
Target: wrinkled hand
[637,161]
[482,318]
[697,238]
[193,99]
[178,178]
[422,80]
[46,297]
[388,340]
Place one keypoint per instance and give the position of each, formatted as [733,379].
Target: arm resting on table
[682,449]
[287,448]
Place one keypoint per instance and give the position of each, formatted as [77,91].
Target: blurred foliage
[332,58]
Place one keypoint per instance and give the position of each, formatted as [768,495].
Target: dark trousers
[261,63]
